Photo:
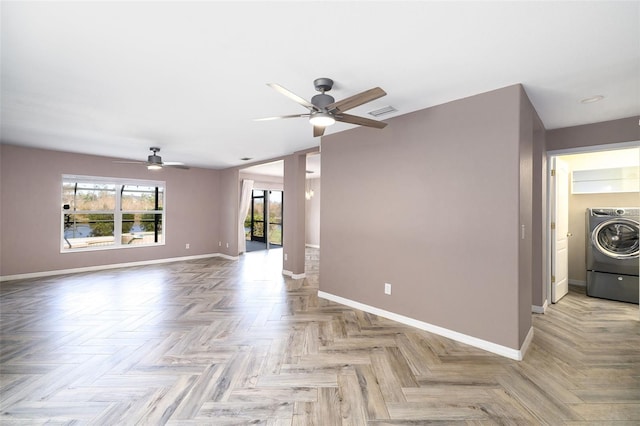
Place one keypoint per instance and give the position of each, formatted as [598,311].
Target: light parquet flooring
[215,341]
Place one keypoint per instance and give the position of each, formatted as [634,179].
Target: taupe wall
[293,227]
[606,132]
[539,256]
[529,122]
[228,206]
[431,204]
[30,206]
[312,210]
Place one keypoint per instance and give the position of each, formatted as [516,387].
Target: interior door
[560,231]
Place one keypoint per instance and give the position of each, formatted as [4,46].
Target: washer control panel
[615,211]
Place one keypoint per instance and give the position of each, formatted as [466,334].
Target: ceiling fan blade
[129,162]
[354,119]
[293,96]
[176,165]
[318,131]
[356,100]
[281,116]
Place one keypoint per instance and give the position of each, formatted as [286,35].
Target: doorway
[263,224]
[567,233]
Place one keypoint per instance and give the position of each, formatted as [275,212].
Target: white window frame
[117,212]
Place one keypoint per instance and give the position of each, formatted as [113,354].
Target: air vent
[382,111]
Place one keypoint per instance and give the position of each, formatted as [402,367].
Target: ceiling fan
[154,161]
[325,111]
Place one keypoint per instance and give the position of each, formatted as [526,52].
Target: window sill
[86,247]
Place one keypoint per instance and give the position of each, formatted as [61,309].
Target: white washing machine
[612,253]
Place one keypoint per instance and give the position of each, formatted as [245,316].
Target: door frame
[551,202]
[268,218]
[264,214]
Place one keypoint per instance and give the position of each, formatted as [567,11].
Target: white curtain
[245,202]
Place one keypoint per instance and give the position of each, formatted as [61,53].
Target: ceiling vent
[382,111]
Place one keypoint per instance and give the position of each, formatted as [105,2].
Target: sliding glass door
[264,221]
[275,217]
[257,215]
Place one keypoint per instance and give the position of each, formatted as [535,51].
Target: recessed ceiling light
[592,99]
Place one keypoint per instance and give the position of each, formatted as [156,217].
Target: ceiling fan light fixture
[325,111]
[154,167]
[322,119]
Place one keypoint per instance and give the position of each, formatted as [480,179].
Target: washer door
[617,238]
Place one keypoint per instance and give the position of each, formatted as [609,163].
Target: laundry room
[602,196]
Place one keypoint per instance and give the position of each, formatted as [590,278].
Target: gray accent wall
[432,204]
[31,205]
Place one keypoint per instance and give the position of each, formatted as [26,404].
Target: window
[104,213]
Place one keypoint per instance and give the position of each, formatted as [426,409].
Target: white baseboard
[226,256]
[525,345]
[578,282]
[540,309]
[111,266]
[453,335]
[292,275]
[312,246]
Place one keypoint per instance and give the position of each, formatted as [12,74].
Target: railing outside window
[100,213]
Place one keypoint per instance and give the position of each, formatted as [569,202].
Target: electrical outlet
[387,288]
[186,246]
[227,245]
[285,256]
[219,243]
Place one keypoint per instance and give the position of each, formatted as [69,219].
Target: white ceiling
[114,78]
[276,168]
